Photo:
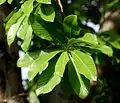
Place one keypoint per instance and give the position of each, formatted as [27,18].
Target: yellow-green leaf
[2,1]
[61,64]
[33,71]
[89,38]
[44,1]
[13,31]
[27,39]
[105,49]
[80,84]
[56,78]
[84,64]
[27,7]
[23,29]
[10,1]
[13,19]
[25,60]
[40,64]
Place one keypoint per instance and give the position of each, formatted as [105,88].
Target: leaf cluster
[69,48]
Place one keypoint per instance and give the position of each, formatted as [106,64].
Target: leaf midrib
[83,64]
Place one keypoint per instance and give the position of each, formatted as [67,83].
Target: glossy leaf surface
[25,60]
[44,1]
[84,64]
[27,7]
[23,29]
[89,38]
[56,78]
[79,83]
[40,64]
[13,31]
[27,39]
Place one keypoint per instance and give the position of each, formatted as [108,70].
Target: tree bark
[10,75]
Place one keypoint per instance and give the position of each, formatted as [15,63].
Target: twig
[60,4]
[19,95]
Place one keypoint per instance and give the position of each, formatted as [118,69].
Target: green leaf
[23,29]
[61,63]
[33,71]
[35,54]
[111,37]
[40,31]
[33,97]
[80,84]
[105,49]
[89,38]
[2,1]
[27,39]
[44,1]
[55,80]
[10,15]
[71,25]
[13,19]
[10,1]
[74,42]
[13,31]
[109,5]
[27,7]
[46,75]
[40,64]
[115,43]
[47,12]
[25,60]
[84,64]
[52,32]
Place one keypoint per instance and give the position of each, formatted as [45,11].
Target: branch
[60,4]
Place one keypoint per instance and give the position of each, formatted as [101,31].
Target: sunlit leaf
[84,64]
[40,64]
[105,49]
[79,83]
[27,39]
[25,60]
[33,71]
[61,63]
[2,1]
[27,7]
[13,19]
[10,1]
[23,29]
[89,38]
[47,74]
[56,78]
[44,1]
[13,31]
